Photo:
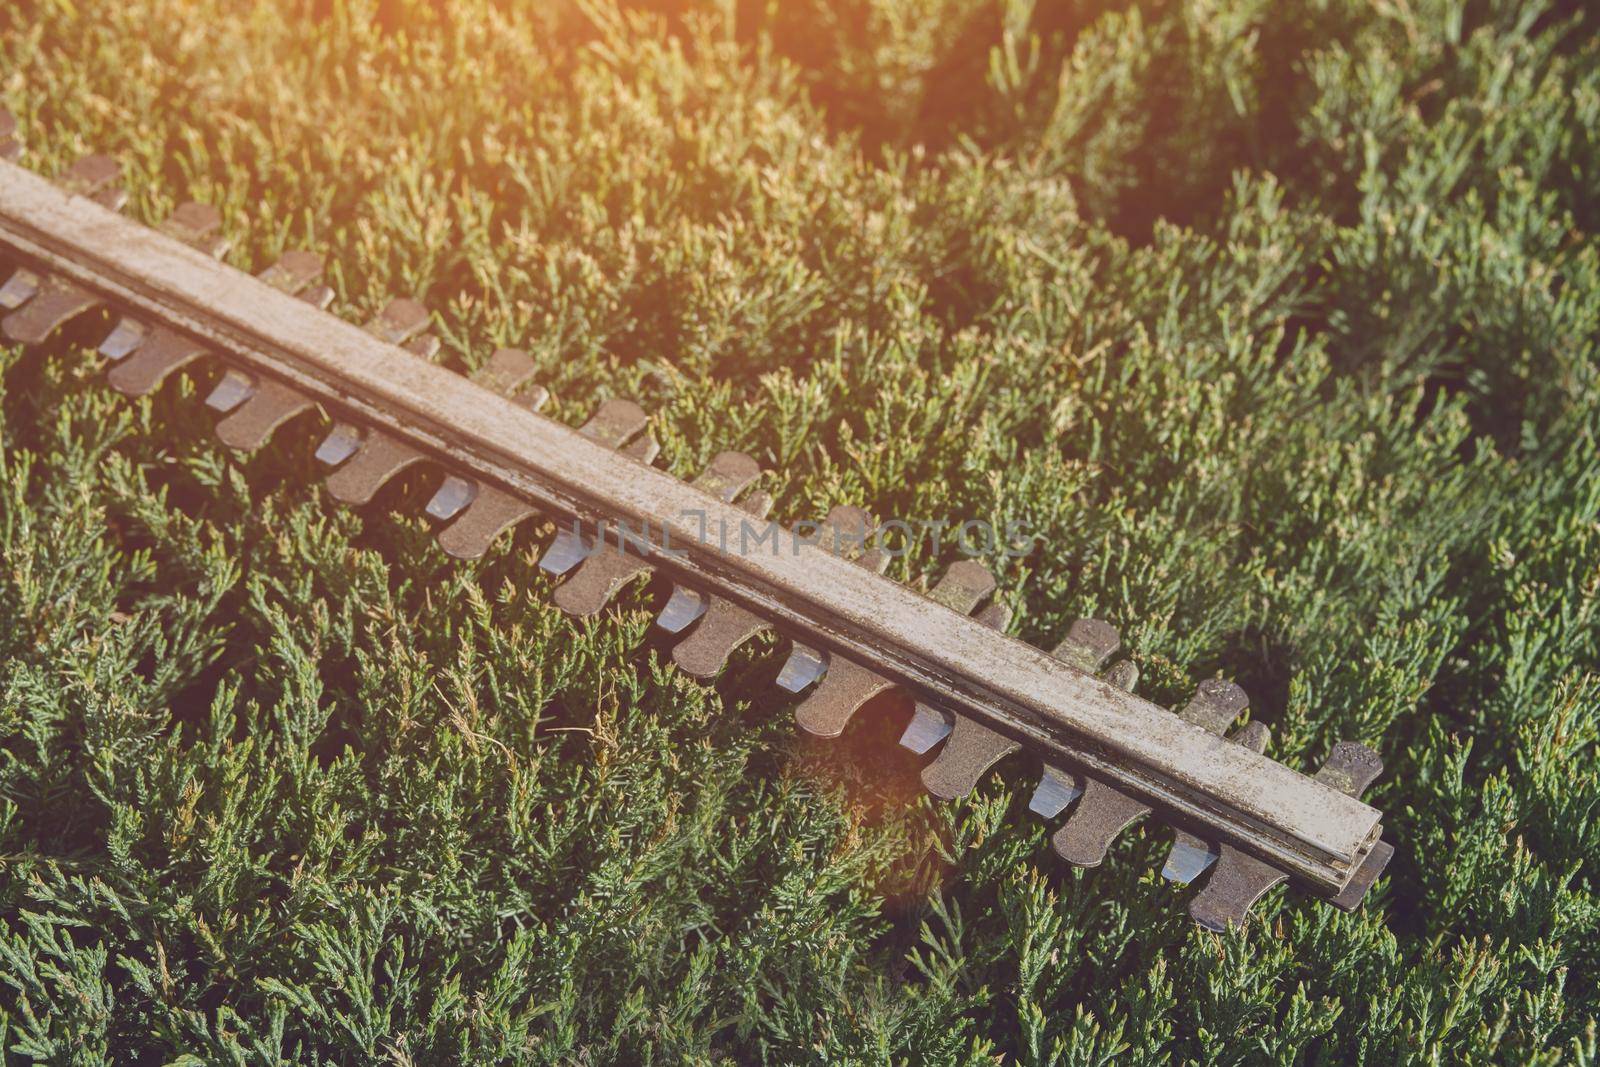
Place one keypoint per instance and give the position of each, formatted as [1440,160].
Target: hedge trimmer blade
[1108,759]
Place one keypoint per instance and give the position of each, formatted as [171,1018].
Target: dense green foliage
[1276,323]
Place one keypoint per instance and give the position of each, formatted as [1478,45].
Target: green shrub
[1277,324]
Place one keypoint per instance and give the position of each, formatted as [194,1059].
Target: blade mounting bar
[1317,834]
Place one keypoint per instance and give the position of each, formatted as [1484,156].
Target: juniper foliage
[1276,324]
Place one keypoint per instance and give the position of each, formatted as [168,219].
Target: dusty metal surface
[980,694]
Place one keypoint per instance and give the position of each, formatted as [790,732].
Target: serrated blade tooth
[963,586]
[927,728]
[1088,644]
[491,513]
[341,443]
[424,347]
[1123,674]
[162,352]
[1215,704]
[508,371]
[616,423]
[1191,856]
[683,607]
[1349,898]
[400,320]
[725,627]
[1350,768]
[1240,879]
[21,287]
[1188,859]
[972,750]
[294,272]
[1237,881]
[252,423]
[570,548]
[599,578]
[1100,816]
[453,494]
[97,177]
[644,449]
[727,475]
[609,566]
[874,559]
[803,666]
[996,616]
[196,225]
[56,303]
[845,532]
[1056,789]
[126,336]
[231,390]
[840,694]
[114,198]
[379,459]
